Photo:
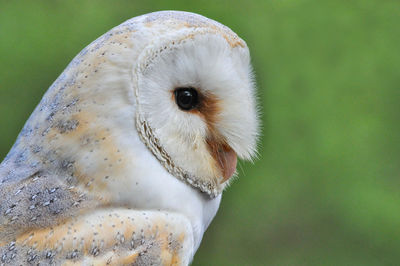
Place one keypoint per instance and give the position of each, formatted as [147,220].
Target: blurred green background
[326,187]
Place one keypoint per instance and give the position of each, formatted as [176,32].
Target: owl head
[175,83]
[196,108]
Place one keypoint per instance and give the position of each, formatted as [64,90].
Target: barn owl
[125,158]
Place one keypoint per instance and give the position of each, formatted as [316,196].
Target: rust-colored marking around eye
[209,109]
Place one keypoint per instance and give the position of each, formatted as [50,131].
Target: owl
[124,160]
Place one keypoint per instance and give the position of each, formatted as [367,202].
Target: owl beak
[224,156]
[227,160]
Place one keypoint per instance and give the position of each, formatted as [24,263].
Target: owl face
[196,108]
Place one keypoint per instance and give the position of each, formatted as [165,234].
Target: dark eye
[186,98]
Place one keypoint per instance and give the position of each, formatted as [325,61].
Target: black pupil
[186,98]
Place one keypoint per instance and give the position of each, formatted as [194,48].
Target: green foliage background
[326,187]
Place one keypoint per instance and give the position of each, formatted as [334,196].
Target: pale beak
[227,160]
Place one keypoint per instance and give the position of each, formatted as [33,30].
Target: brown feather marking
[209,109]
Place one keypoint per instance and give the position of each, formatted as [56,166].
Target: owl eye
[186,98]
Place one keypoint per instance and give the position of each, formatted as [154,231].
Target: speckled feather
[65,194]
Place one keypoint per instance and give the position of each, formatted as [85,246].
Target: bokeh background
[326,187]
